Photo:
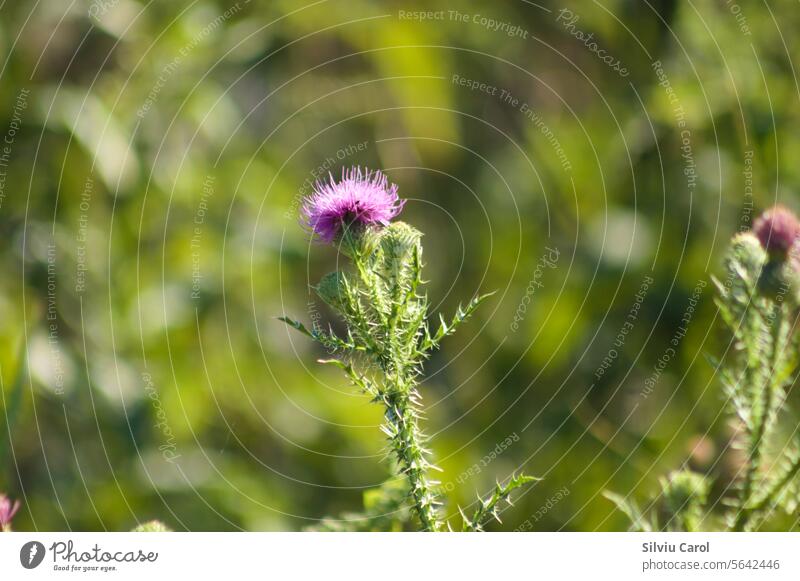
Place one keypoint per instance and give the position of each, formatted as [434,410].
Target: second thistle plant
[758,302]
[388,336]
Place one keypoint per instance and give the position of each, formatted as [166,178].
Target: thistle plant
[758,303]
[388,338]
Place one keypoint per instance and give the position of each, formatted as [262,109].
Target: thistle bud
[398,240]
[747,256]
[685,493]
[400,255]
[331,289]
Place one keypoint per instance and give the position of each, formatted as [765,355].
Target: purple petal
[359,198]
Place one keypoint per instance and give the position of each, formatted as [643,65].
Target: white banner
[402,556]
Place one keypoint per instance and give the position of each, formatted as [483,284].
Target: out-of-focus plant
[153,526]
[7,511]
[758,302]
[388,338]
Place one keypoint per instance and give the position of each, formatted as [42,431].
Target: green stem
[408,448]
[400,395]
[743,514]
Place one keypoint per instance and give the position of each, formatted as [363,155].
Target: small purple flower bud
[358,199]
[777,229]
[7,512]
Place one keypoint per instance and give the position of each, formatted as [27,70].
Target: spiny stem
[776,488]
[743,514]
[407,446]
[489,507]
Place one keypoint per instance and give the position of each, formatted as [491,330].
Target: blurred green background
[150,238]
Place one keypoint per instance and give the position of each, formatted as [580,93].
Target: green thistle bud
[401,235]
[400,252]
[746,256]
[744,262]
[398,240]
[685,493]
[358,240]
[331,289]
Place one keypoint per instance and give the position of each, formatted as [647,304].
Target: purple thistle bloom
[777,229]
[7,511]
[358,199]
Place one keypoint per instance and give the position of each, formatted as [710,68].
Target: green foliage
[388,339]
[488,508]
[385,509]
[12,405]
[639,522]
[260,101]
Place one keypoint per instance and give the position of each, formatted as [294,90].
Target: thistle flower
[777,229]
[7,512]
[360,198]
